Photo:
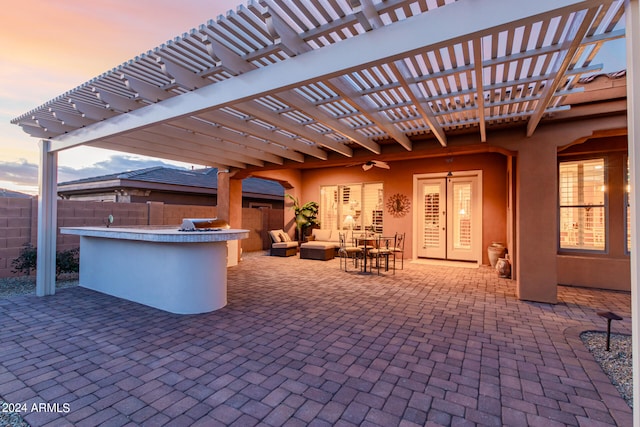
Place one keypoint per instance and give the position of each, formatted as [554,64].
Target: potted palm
[306,216]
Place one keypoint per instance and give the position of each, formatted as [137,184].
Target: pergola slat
[424,77]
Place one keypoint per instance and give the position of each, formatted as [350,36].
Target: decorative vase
[503,267]
[495,251]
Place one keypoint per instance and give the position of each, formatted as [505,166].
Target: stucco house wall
[399,179]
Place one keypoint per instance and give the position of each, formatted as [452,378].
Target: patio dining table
[372,241]
[366,242]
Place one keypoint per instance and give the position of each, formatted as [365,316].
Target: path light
[609,316]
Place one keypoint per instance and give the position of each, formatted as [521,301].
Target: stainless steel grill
[203,224]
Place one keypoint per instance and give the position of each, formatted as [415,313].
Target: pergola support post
[229,205]
[633,117]
[47,220]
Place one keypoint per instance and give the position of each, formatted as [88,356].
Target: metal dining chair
[398,248]
[383,249]
[348,251]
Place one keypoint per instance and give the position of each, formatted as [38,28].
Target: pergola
[281,83]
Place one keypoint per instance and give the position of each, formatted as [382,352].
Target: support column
[632,10]
[537,222]
[47,220]
[229,206]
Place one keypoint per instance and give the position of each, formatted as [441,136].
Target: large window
[582,204]
[353,206]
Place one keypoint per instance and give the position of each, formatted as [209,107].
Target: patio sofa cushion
[278,236]
[321,235]
[285,245]
[331,236]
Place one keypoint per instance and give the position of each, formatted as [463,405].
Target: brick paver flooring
[303,343]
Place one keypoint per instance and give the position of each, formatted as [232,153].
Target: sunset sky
[49,47]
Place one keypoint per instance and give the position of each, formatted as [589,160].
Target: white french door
[449,218]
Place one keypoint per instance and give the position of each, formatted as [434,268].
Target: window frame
[340,203]
[605,207]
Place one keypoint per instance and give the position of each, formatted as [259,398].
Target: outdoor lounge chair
[282,245]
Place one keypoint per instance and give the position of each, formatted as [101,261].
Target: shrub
[66,261]
[26,261]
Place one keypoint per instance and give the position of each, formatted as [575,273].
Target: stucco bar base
[185,276]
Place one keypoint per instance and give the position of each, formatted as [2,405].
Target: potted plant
[306,216]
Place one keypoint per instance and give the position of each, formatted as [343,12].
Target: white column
[633,117]
[47,220]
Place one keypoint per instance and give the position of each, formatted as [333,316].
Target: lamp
[348,222]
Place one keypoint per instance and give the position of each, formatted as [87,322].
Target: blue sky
[50,47]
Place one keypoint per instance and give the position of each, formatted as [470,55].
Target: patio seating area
[304,343]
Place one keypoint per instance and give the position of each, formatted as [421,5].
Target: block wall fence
[19,222]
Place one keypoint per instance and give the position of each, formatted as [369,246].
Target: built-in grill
[203,224]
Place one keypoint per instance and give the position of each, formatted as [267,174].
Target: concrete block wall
[19,222]
[16,228]
[86,214]
[174,214]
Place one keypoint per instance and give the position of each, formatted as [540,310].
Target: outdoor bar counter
[180,272]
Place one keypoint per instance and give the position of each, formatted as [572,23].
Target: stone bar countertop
[162,234]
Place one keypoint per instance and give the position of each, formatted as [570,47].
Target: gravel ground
[616,362]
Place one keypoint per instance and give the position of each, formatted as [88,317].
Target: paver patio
[303,343]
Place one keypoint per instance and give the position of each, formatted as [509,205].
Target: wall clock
[398,205]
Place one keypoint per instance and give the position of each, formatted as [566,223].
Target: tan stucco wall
[399,179]
[594,272]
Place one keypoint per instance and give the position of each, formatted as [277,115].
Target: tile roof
[14,194]
[203,178]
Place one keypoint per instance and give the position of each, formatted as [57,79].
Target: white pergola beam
[179,140]
[70,119]
[180,75]
[91,111]
[260,149]
[362,104]
[479,73]
[256,110]
[116,102]
[139,143]
[577,32]
[255,129]
[53,126]
[145,91]
[206,135]
[318,114]
[427,31]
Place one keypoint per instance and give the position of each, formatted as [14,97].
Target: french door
[449,218]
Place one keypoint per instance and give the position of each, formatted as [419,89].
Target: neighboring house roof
[199,180]
[14,194]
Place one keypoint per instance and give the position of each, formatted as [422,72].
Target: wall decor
[398,205]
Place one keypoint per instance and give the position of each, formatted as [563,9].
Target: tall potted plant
[306,215]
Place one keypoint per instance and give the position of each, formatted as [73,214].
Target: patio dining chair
[347,252]
[383,250]
[398,248]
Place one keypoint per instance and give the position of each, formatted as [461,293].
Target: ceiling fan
[377,163]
